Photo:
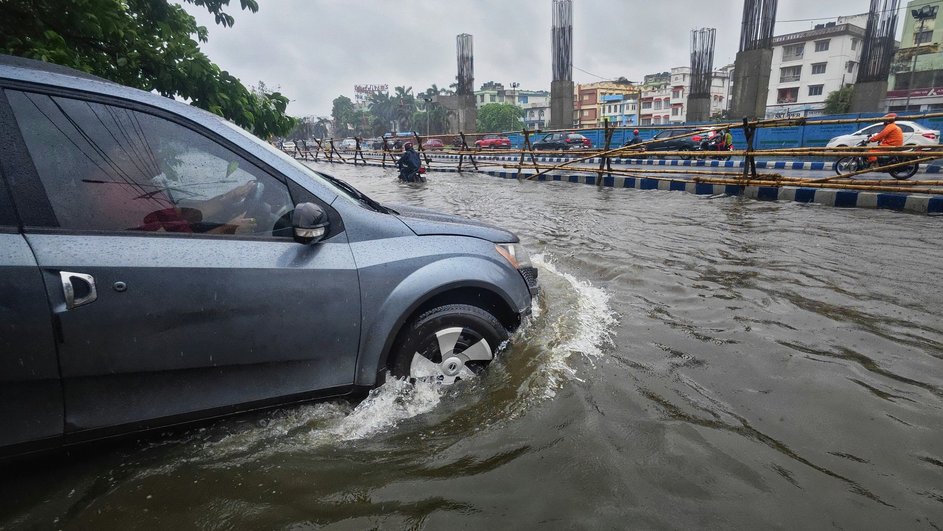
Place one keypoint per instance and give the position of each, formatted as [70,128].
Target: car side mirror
[309,223]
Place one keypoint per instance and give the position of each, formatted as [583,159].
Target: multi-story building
[808,65]
[681,87]
[916,80]
[655,107]
[536,103]
[591,102]
[620,109]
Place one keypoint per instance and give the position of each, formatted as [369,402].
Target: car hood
[425,222]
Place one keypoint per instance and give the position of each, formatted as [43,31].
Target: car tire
[447,343]
[684,157]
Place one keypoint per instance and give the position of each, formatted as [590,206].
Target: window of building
[657,120]
[587,97]
[788,95]
[108,168]
[674,111]
[793,52]
[819,68]
[677,94]
[646,105]
[790,74]
[854,44]
[492,98]
[815,90]
[923,37]
[585,113]
[657,105]
[821,46]
[850,67]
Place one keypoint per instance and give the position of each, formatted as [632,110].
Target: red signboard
[915,93]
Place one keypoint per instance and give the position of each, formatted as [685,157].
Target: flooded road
[691,362]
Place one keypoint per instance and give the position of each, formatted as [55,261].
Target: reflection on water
[691,362]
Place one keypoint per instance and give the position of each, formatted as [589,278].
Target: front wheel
[684,157]
[846,165]
[448,343]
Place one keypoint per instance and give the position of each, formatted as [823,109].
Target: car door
[167,259]
[908,132]
[30,390]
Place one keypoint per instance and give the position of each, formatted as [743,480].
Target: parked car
[691,141]
[493,142]
[433,144]
[190,270]
[348,143]
[563,141]
[288,146]
[914,135]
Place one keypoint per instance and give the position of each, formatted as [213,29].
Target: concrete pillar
[561,104]
[464,115]
[869,96]
[699,109]
[750,89]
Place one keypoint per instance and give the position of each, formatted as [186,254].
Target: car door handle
[73,283]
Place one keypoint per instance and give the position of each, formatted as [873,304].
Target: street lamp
[428,100]
[923,14]
[514,85]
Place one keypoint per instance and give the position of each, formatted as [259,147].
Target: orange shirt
[891,135]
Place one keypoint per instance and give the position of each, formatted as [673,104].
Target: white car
[288,146]
[914,135]
[348,143]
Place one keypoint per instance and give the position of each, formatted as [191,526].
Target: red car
[493,142]
[433,144]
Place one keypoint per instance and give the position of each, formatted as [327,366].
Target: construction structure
[702,69]
[463,113]
[876,56]
[754,61]
[561,88]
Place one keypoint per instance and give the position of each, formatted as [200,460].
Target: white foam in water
[593,328]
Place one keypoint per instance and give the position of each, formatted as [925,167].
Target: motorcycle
[714,145]
[412,176]
[854,163]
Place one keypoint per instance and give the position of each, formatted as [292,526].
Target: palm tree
[405,106]
[320,127]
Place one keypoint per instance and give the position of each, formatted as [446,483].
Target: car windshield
[349,195]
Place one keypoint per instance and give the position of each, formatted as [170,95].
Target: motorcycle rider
[409,164]
[636,139]
[891,135]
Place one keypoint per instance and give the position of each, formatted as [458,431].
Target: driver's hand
[243,224]
[240,192]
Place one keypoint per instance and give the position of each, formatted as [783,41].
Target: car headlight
[515,254]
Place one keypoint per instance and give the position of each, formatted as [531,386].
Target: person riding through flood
[409,164]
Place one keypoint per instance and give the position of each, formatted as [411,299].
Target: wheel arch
[504,299]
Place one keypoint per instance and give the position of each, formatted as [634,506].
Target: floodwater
[692,363]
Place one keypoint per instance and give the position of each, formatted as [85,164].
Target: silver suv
[160,265]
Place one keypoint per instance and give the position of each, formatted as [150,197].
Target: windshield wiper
[356,194]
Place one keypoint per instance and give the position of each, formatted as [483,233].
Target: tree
[343,113]
[496,117]
[839,101]
[147,44]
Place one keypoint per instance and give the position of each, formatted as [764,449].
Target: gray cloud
[316,50]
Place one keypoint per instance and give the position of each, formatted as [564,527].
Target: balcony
[791,78]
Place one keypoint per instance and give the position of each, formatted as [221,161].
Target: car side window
[906,128]
[873,130]
[107,168]
[663,134]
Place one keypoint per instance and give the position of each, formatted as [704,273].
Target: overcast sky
[316,50]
